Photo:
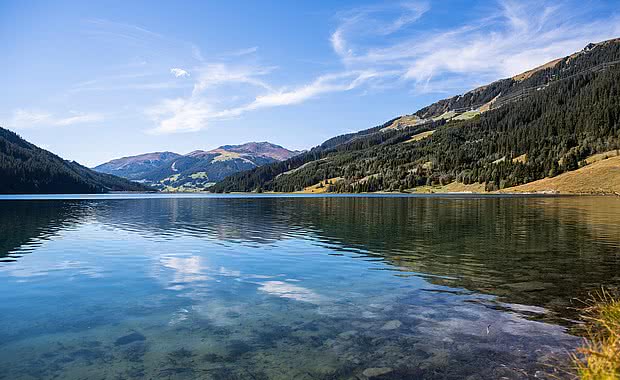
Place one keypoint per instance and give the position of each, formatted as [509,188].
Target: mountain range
[196,170]
[538,124]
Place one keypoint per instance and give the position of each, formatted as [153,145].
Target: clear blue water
[273,287]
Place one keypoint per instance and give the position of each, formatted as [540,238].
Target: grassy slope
[453,187]
[419,136]
[317,189]
[601,177]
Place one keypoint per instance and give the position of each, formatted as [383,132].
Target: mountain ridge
[197,169]
[475,136]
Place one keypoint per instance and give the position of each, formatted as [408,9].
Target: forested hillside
[513,131]
[25,168]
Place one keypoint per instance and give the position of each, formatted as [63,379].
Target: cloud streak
[27,119]
[219,74]
[242,52]
[339,82]
[196,113]
[179,115]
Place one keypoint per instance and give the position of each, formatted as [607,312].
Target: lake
[298,287]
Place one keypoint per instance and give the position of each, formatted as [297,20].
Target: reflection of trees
[253,221]
[28,222]
[525,250]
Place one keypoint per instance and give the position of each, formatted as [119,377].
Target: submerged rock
[87,354]
[237,348]
[392,325]
[130,338]
[347,334]
[371,373]
[213,358]
[134,352]
[530,286]
[369,315]
[182,353]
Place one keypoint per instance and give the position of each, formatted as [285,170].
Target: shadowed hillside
[26,168]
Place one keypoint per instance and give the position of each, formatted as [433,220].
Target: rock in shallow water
[371,373]
[392,325]
[347,334]
[530,286]
[130,338]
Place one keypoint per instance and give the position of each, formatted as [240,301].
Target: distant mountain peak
[198,168]
[145,157]
[133,167]
[260,149]
[253,145]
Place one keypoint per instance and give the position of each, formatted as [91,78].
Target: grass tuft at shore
[599,357]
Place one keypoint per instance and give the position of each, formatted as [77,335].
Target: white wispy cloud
[242,52]
[195,113]
[179,115]
[509,38]
[78,119]
[340,82]
[177,72]
[218,74]
[25,118]
[345,81]
[339,44]
[412,12]
[364,22]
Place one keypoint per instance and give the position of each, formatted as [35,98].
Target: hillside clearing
[602,156]
[522,158]
[320,187]
[403,122]
[601,177]
[420,136]
[453,187]
[467,115]
[529,73]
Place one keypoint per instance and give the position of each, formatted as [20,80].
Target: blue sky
[92,81]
